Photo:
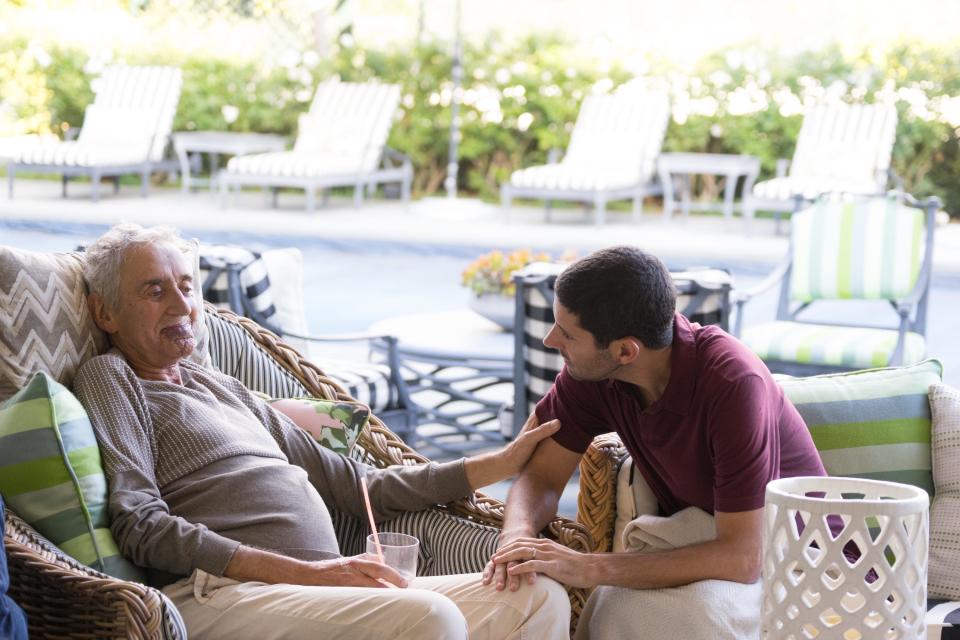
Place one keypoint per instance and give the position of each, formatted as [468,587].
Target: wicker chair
[65,599]
[597,500]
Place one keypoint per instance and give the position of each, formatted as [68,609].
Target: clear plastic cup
[399,552]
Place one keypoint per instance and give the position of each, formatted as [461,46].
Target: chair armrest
[340,337]
[554,155]
[742,296]
[63,598]
[782,166]
[597,502]
[888,176]
[72,133]
[394,158]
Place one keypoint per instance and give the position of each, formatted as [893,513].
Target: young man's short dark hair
[618,292]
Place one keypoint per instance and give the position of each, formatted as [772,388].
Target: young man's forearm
[714,560]
[531,504]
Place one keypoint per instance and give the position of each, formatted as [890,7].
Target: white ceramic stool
[813,589]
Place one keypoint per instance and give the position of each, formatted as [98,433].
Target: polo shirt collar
[678,396]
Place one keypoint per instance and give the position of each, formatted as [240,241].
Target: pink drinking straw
[373,526]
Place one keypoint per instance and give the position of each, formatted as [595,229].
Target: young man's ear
[627,350]
[101,312]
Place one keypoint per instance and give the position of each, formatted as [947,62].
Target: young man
[704,422]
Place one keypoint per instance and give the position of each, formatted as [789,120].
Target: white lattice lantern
[851,564]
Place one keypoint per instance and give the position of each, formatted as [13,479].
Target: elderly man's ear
[102,313]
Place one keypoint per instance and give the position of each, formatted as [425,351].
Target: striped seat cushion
[449,545]
[614,144]
[870,424]
[567,175]
[870,248]
[51,476]
[82,154]
[821,344]
[368,382]
[809,187]
[224,266]
[129,121]
[293,164]
[703,295]
[234,352]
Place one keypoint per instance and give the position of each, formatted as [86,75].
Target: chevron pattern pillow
[44,321]
[51,476]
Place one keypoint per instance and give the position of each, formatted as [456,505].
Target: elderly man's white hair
[105,256]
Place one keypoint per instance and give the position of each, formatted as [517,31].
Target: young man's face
[584,360]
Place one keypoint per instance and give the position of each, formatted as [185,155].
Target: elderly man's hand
[519,451]
[355,571]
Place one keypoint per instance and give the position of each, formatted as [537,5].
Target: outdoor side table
[732,167]
[459,371]
[187,143]
[844,558]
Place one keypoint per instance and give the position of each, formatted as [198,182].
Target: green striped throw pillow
[870,424]
[50,474]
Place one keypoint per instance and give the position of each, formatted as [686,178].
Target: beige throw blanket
[705,610]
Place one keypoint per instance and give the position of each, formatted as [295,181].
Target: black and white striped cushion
[221,265]
[368,382]
[236,354]
[703,295]
[449,545]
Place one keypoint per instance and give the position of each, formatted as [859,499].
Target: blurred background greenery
[520,94]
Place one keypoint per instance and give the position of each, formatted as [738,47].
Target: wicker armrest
[597,502]
[65,599]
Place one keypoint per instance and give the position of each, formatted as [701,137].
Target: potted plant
[490,279]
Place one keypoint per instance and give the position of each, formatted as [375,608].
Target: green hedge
[520,100]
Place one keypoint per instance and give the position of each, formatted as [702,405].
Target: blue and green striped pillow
[51,476]
[870,424]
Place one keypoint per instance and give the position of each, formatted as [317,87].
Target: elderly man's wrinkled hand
[518,452]
[356,571]
[497,572]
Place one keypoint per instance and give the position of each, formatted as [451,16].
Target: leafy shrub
[520,100]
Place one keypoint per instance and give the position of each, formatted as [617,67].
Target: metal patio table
[189,144]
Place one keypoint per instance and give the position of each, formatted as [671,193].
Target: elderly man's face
[153,324]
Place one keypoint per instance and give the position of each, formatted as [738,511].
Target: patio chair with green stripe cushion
[852,253]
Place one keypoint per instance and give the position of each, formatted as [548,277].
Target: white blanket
[705,610]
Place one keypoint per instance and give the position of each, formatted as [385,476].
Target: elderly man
[210,484]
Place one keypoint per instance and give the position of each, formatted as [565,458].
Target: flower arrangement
[492,273]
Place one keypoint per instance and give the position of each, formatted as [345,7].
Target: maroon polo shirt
[719,433]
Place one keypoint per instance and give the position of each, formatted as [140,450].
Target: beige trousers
[432,608]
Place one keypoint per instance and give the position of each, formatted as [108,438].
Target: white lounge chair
[341,141]
[125,130]
[840,148]
[612,155]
